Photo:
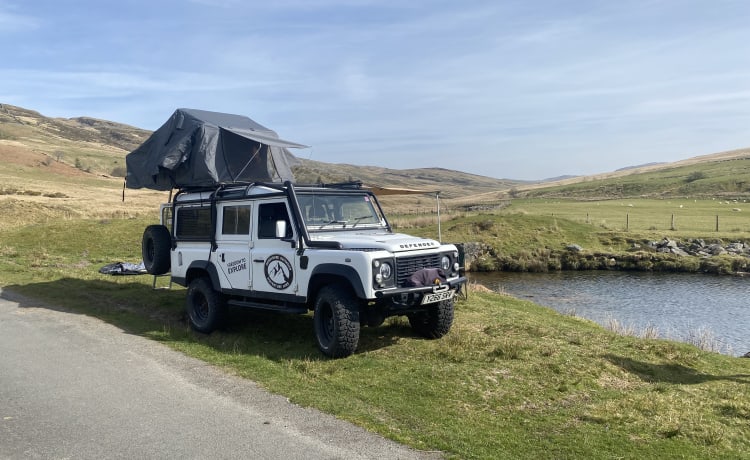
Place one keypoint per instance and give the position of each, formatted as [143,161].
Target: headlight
[386,270]
[382,271]
[445,263]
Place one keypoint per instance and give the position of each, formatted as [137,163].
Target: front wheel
[336,321]
[435,322]
[205,307]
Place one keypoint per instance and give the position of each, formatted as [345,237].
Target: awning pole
[440,233]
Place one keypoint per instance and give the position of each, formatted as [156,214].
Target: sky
[511,89]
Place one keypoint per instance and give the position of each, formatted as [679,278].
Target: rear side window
[236,220]
[194,223]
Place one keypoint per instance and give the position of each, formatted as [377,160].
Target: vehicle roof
[239,191]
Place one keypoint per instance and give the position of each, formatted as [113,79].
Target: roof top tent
[198,148]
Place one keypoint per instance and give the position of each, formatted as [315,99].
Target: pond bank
[703,310]
[667,255]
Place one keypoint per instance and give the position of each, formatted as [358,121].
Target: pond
[708,310]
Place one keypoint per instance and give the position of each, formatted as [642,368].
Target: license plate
[437,296]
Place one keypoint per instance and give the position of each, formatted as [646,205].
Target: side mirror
[280,229]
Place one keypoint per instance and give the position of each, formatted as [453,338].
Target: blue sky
[507,89]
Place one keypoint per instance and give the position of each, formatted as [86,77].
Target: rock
[716,249]
[735,248]
[573,248]
[678,251]
[474,251]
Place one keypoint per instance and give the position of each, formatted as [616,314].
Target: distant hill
[450,183]
[76,147]
[19,122]
[90,145]
[557,178]
[627,168]
[718,175]
[99,147]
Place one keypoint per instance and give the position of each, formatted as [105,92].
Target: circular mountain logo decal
[278,272]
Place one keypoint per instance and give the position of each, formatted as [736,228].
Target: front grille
[406,266]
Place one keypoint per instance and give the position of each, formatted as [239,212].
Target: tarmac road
[72,386]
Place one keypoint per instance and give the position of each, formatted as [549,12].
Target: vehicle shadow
[670,372]
[136,308]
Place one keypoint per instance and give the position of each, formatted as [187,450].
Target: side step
[268,307]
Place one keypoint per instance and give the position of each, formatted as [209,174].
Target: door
[274,260]
[234,242]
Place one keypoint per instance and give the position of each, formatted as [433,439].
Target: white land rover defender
[293,249]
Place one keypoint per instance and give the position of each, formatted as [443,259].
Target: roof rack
[353,185]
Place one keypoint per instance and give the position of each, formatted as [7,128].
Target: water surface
[686,307]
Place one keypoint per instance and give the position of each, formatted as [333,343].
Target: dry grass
[34,190]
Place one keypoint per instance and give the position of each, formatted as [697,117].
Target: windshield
[346,210]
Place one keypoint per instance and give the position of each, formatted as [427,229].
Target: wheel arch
[200,268]
[325,274]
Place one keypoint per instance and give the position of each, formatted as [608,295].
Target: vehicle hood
[393,242]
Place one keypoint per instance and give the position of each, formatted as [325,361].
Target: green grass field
[511,380]
[683,216]
[533,234]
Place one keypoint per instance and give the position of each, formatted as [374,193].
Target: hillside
[88,144]
[99,147]
[725,174]
[451,184]
[86,147]
[718,175]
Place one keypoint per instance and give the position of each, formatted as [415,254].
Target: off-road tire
[155,248]
[336,321]
[206,308]
[435,322]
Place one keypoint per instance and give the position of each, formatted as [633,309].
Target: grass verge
[511,380]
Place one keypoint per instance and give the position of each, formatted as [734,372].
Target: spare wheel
[156,245]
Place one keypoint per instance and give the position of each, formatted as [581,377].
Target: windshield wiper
[359,219]
[343,222]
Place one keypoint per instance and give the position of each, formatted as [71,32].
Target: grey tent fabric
[198,148]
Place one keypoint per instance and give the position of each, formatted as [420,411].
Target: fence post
[627,221]
[717,222]
[672,222]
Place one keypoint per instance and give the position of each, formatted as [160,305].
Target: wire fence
[718,223]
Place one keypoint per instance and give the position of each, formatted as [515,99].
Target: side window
[268,214]
[235,220]
[193,223]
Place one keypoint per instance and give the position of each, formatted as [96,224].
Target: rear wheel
[435,322]
[155,248]
[205,307]
[336,321]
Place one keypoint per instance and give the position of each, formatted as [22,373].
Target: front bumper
[450,284]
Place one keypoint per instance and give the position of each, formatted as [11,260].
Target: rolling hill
[59,150]
[99,147]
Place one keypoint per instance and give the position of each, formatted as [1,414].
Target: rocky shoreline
[698,247]
[692,255]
